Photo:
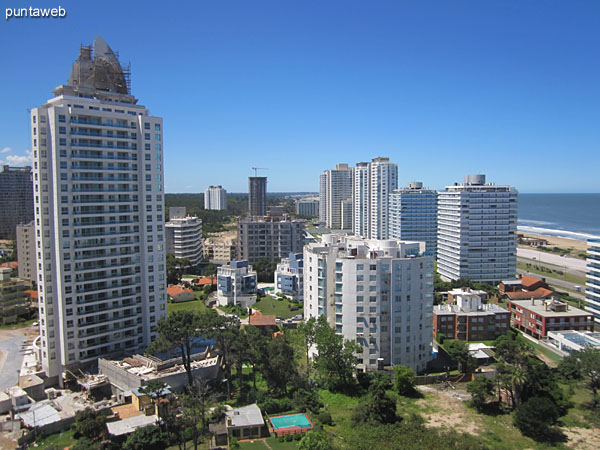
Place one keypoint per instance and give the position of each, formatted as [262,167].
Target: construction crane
[256,169]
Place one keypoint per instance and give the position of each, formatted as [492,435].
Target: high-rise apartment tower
[98,178]
[477,224]
[257,196]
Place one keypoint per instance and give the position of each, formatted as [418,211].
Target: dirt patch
[583,438]
[447,409]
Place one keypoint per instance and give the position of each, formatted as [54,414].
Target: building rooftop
[137,367]
[488,308]
[544,308]
[259,319]
[175,290]
[130,424]
[246,416]
[538,293]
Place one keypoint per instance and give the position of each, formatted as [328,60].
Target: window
[158,147]
[157,136]
[360,267]
[147,136]
[148,157]
[147,126]
[157,126]
[147,147]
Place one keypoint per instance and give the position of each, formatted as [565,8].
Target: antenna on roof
[256,169]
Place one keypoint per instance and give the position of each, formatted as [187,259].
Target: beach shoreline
[561,242]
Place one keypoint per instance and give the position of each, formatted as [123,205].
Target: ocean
[573,216]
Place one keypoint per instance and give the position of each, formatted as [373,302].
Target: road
[549,258]
[11,358]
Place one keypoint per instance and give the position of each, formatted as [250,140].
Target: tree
[90,423]
[180,329]
[265,269]
[175,268]
[308,331]
[225,334]
[256,342]
[211,270]
[146,438]
[279,368]
[195,404]
[589,359]
[535,417]
[459,351]
[378,407]
[336,357]
[404,380]
[314,440]
[480,389]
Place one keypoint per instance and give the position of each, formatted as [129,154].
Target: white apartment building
[373,183]
[184,236]
[592,285]
[335,187]
[215,197]
[98,188]
[236,284]
[477,225]
[378,293]
[289,277]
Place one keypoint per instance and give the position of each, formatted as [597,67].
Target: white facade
[289,277]
[215,197]
[236,284]
[98,187]
[378,293]
[373,183]
[335,188]
[477,225]
[592,285]
[184,238]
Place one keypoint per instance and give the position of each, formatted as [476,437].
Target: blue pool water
[297,420]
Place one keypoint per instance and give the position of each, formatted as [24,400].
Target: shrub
[440,338]
[281,438]
[288,438]
[535,417]
[325,417]
[297,436]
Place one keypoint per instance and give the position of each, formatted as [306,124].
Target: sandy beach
[561,242]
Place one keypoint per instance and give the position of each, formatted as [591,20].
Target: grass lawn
[58,440]
[193,305]
[555,271]
[549,354]
[277,307]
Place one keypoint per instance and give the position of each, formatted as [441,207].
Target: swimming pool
[294,423]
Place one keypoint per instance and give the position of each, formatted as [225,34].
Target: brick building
[469,319]
[537,317]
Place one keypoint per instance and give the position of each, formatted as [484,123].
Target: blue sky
[443,88]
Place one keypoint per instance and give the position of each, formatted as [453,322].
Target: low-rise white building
[378,293]
[236,284]
[289,279]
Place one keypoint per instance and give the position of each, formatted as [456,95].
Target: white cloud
[17,160]
[6,150]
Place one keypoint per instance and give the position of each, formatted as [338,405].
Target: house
[180,294]
[126,426]
[246,422]
[524,283]
[537,317]
[12,265]
[263,321]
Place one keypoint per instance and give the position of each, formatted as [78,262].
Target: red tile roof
[175,290]
[32,294]
[262,320]
[524,295]
[205,281]
[10,265]
[528,281]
